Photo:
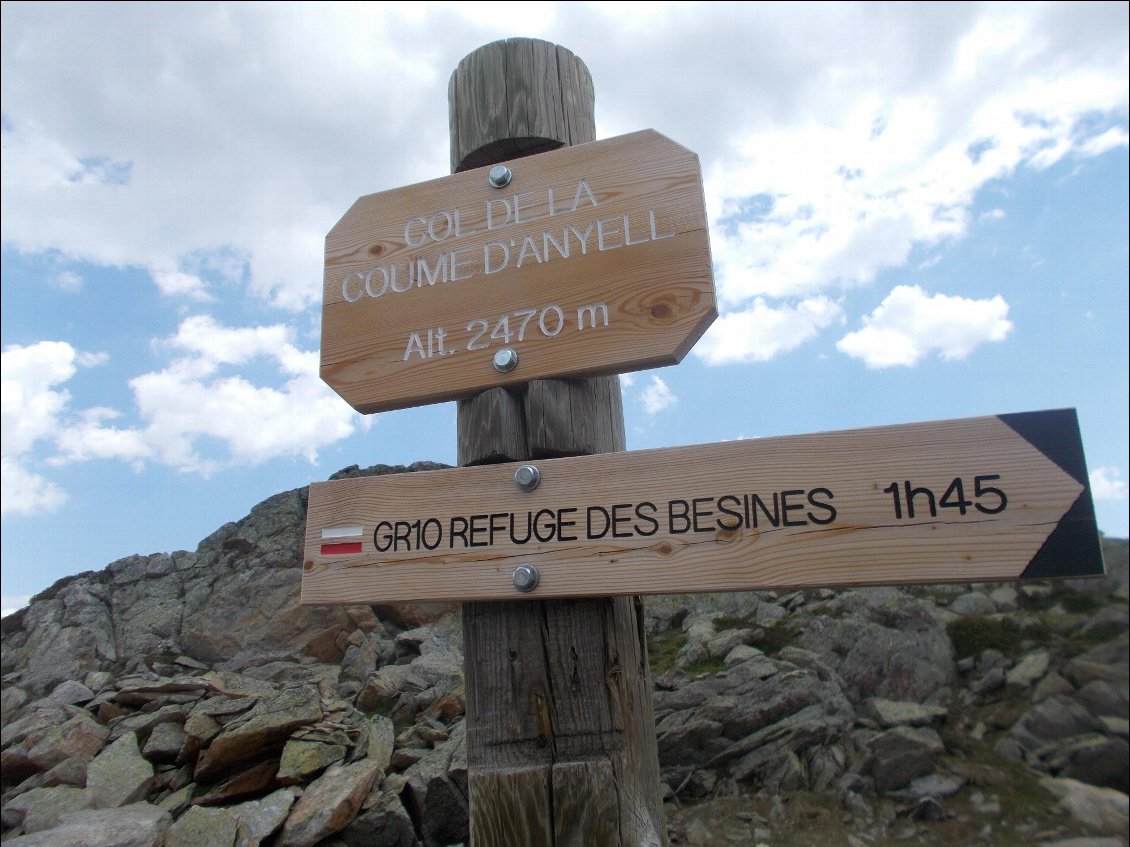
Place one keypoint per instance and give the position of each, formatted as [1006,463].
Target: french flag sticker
[338,540]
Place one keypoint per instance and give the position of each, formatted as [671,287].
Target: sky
[917,212]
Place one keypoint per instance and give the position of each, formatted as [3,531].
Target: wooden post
[560,730]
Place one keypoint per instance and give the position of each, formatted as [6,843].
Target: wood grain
[838,526]
[561,741]
[654,275]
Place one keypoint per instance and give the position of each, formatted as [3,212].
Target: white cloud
[1112,139]
[1107,484]
[991,215]
[910,324]
[68,281]
[657,396]
[10,603]
[31,403]
[23,492]
[185,409]
[864,139]
[761,332]
[192,402]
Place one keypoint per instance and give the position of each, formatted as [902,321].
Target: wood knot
[308,565]
[376,249]
[661,311]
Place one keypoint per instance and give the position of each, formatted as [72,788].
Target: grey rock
[165,742]
[1005,598]
[176,803]
[436,791]
[12,700]
[71,692]
[385,824]
[118,776]
[972,603]
[1118,727]
[1094,759]
[1085,842]
[360,660]
[741,653]
[268,724]
[33,726]
[1053,719]
[328,804]
[1113,617]
[890,713]
[259,819]
[1051,685]
[136,825]
[44,808]
[903,754]
[1028,670]
[68,632]
[79,736]
[380,741]
[1103,697]
[1103,810]
[935,785]
[302,759]
[890,646]
[203,827]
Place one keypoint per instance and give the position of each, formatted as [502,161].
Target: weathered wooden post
[560,732]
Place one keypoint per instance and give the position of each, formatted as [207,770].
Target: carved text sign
[975,500]
[592,259]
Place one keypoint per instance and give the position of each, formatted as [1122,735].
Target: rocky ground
[187,699]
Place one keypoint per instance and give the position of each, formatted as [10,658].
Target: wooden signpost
[585,260]
[951,501]
[593,259]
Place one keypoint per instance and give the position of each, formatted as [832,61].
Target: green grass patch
[726,622]
[777,638]
[662,649]
[971,635]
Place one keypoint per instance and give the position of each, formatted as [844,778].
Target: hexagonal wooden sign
[590,259]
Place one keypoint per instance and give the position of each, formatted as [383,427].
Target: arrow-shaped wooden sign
[974,500]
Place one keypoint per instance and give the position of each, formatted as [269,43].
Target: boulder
[259,819]
[119,775]
[436,791]
[1028,670]
[136,825]
[882,643]
[43,808]
[972,603]
[902,754]
[79,736]
[386,823]
[890,713]
[265,727]
[328,804]
[202,827]
[1102,810]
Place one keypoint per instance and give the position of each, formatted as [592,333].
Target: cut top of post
[518,97]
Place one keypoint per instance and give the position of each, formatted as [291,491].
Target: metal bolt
[500,176]
[526,578]
[505,360]
[527,477]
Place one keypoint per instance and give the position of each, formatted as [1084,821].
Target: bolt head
[526,578]
[505,360]
[500,176]
[527,477]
